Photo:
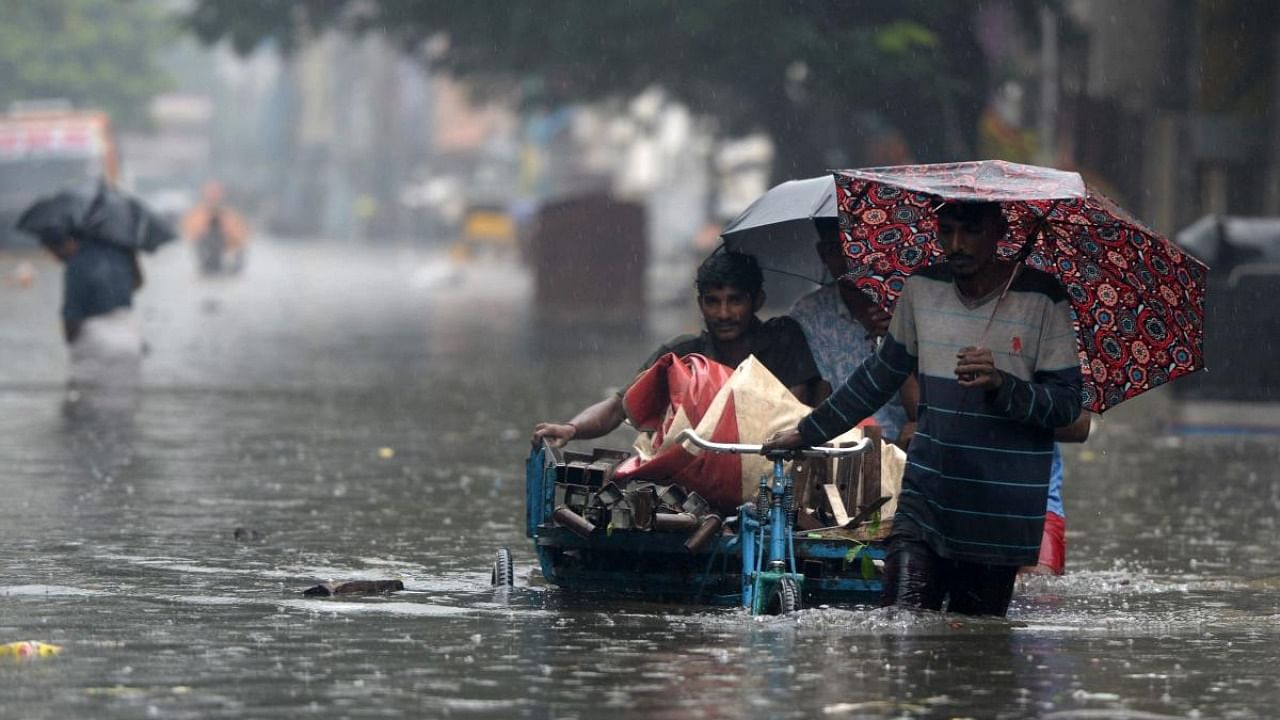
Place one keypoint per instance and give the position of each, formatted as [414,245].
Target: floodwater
[362,414]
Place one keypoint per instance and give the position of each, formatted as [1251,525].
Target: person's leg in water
[911,575]
[980,589]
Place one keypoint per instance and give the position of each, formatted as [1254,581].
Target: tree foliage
[813,74]
[95,53]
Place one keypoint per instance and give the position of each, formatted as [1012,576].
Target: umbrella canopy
[53,218]
[779,230]
[1138,299]
[108,215]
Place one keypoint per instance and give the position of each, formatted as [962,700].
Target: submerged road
[363,414]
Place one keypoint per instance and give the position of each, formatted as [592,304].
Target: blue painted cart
[660,542]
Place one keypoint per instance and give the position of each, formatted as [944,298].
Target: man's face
[970,245]
[833,258]
[728,311]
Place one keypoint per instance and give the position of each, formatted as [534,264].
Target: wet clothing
[99,278]
[99,282]
[778,343]
[977,475]
[916,577]
[108,351]
[1055,483]
[1053,543]
[840,344]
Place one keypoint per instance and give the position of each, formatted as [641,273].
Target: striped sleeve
[1051,399]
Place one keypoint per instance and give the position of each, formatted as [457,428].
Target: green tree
[812,74]
[95,53]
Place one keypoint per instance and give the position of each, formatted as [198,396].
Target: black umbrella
[109,216]
[54,218]
[779,227]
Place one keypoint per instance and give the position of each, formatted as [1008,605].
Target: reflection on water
[364,414]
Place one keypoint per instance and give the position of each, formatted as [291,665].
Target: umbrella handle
[1025,251]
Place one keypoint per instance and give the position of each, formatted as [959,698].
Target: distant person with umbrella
[98,239]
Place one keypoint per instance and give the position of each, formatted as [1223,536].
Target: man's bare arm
[593,422]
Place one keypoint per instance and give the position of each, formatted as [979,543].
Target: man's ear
[758,301]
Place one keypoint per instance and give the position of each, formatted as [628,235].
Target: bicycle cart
[659,541]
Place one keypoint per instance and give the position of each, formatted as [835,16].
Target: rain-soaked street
[363,414]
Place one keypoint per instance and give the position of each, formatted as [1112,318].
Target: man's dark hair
[974,212]
[730,269]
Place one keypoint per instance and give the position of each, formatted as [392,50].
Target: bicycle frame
[776,494]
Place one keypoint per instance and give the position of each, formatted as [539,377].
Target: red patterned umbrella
[1138,299]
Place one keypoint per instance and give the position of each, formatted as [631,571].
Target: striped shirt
[977,472]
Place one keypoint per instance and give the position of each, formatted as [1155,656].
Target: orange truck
[46,148]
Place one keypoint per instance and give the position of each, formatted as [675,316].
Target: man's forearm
[869,387]
[1042,404]
[599,419]
[1076,432]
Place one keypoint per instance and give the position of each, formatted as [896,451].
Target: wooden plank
[869,492]
[846,478]
[835,503]
[806,520]
[805,478]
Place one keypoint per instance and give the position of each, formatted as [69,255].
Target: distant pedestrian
[101,330]
[219,233]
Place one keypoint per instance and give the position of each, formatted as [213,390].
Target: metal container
[608,494]
[573,521]
[643,502]
[696,505]
[707,531]
[675,522]
[620,517]
[673,496]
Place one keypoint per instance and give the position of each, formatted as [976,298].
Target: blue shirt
[840,344]
[1055,483]
[98,279]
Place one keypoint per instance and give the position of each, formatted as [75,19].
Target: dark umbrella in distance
[54,218]
[108,216]
[780,229]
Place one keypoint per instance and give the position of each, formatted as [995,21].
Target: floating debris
[24,649]
[355,587]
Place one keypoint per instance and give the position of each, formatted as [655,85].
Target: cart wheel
[784,599]
[504,574]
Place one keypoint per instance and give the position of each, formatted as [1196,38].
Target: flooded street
[362,413]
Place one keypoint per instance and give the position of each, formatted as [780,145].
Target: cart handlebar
[749,449]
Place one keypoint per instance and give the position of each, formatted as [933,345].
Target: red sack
[677,392]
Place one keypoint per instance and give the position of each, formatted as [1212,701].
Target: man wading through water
[992,345]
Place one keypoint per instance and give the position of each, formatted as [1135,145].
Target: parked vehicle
[48,148]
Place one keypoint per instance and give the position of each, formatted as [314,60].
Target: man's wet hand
[555,434]
[878,323]
[783,440]
[976,367]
